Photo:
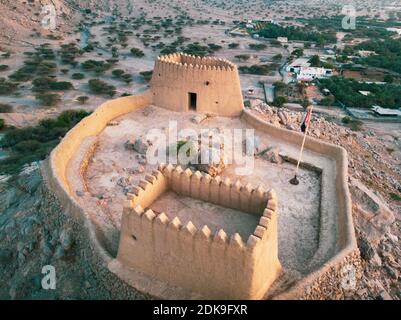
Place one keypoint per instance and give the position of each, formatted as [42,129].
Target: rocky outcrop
[35,231]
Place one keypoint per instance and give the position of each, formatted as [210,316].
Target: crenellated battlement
[186,61]
[160,246]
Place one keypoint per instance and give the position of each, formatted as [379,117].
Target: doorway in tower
[192,101]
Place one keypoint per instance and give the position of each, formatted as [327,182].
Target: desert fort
[148,149]
[177,232]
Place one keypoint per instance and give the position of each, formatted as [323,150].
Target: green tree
[305,103]
[315,61]
[138,53]
[100,87]
[82,99]
[48,99]
[298,52]
[279,101]
[388,78]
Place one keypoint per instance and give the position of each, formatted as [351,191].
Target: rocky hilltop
[35,230]
[20,22]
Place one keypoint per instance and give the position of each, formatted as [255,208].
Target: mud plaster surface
[299,213]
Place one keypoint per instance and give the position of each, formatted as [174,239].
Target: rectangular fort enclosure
[182,82]
[214,266]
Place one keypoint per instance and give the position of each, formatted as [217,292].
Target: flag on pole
[307,119]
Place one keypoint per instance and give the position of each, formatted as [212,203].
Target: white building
[312,73]
[282,39]
[364,93]
[386,112]
[366,53]
[304,72]
[297,64]
[397,30]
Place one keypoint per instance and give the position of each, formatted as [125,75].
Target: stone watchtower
[182,82]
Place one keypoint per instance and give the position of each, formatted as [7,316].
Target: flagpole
[295,180]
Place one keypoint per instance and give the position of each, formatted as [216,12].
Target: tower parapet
[182,82]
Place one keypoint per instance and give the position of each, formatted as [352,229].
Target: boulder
[373,216]
[273,155]
[199,118]
[141,145]
[366,249]
[283,117]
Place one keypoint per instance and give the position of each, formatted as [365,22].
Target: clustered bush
[100,87]
[7,87]
[29,144]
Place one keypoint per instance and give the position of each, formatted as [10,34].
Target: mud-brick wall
[213,265]
[215,82]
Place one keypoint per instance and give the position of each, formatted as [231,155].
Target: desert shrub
[147,75]
[64,71]
[277,57]
[32,68]
[126,77]
[61,85]
[279,101]
[388,78]
[214,47]
[2,124]
[68,53]
[5,108]
[353,124]
[197,49]
[257,46]
[89,47]
[233,45]
[48,99]
[4,67]
[137,52]
[112,61]
[29,144]
[242,57]
[43,84]
[7,87]
[96,66]
[298,52]
[77,76]
[82,99]
[262,69]
[117,73]
[100,87]
[346,120]
[328,101]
